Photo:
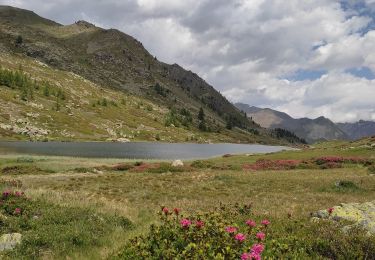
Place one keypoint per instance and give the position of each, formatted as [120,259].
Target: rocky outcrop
[362,215]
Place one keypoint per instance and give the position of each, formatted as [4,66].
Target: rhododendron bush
[327,162]
[211,235]
[236,233]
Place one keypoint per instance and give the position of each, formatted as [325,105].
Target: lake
[135,150]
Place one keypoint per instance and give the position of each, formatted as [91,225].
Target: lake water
[135,150]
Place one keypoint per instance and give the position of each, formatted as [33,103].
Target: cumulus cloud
[247,49]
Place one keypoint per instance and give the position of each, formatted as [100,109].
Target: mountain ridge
[110,59]
[311,130]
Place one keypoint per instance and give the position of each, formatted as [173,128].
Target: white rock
[177,163]
[9,241]
[123,140]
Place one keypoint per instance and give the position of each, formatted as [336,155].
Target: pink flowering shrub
[223,234]
[13,203]
[272,165]
[236,233]
[326,162]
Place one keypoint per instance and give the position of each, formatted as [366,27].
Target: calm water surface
[135,150]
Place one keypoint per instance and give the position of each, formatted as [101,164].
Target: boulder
[360,214]
[9,241]
[177,163]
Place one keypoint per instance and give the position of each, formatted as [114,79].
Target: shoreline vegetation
[55,203]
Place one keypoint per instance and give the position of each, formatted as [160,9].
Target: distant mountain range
[358,129]
[311,130]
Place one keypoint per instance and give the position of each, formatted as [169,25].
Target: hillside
[358,129]
[311,130]
[112,87]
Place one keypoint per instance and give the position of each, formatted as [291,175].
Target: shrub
[345,186]
[235,233]
[197,237]
[273,165]
[82,169]
[327,162]
[121,167]
[23,169]
[201,164]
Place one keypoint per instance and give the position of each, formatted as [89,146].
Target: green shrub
[23,169]
[201,164]
[82,169]
[345,186]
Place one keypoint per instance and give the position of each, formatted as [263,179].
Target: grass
[83,117]
[114,190]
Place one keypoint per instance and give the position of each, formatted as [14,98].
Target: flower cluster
[218,234]
[185,223]
[13,202]
[255,253]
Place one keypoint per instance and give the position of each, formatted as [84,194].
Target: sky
[307,58]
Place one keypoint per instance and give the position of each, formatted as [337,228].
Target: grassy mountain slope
[311,130]
[87,111]
[112,58]
[145,99]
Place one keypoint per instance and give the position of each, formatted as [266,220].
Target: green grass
[113,190]
[50,230]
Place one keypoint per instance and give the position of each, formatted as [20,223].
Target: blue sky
[306,58]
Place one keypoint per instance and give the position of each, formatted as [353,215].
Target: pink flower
[18,194]
[185,223]
[240,237]
[6,193]
[257,248]
[231,229]
[255,256]
[199,224]
[176,211]
[265,222]
[251,223]
[246,256]
[330,210]
[165,211]
[17,211]
[260,236]
[250,256]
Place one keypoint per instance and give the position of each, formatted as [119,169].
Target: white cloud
[245,47]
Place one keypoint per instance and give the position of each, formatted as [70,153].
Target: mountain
[311,130]
[112,88]
[358,129]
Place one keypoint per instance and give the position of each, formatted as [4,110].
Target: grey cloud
[245,47]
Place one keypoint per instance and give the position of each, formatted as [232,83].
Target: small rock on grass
[9,241]
[177,163]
